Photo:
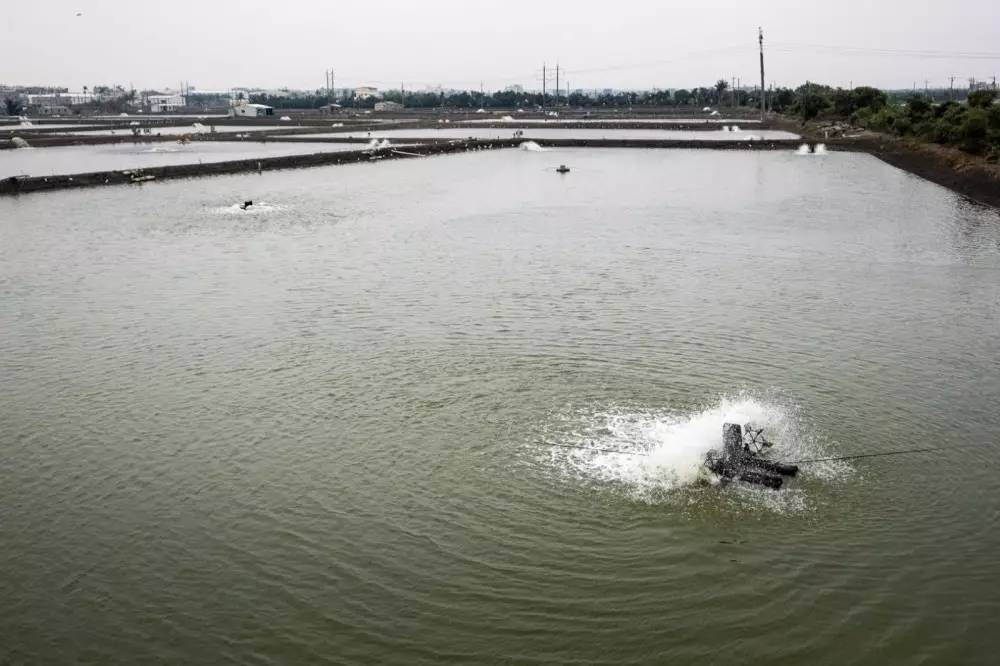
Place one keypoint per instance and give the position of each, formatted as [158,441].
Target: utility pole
[544,83]
[951,88]
[557,84]
[482,94]
[760,38]
[402,94]
[926,89]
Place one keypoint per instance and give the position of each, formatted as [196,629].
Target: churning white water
[533,147]
[650,453]
[258,208]
[818,149]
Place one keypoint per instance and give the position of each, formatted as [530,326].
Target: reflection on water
[325,428]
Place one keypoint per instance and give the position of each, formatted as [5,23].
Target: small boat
[741,458]
[562,169]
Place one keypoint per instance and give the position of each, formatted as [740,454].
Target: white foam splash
[806,149]
[377,144]
[258,208]
[532,147]
[663,452]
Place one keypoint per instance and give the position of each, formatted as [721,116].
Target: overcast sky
[217,44]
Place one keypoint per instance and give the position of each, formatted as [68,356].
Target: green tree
[974,130]
[781,100]
[12,106]
[918,106]
[720,87]
[866,96]
[811,100]
[981,99]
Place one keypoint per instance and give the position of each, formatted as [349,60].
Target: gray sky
[457,43]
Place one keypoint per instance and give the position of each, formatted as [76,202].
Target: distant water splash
[164,149]
[532,147]
[258,208]
[806,149]
[664,451]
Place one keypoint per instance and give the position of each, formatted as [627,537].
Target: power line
[855,456]
[886,453]
[858,50]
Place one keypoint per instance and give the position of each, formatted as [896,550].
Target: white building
[244,109]
[61,99]
[367,92]
[165,103]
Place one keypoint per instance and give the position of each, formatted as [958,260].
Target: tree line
[973,126]
[718,95]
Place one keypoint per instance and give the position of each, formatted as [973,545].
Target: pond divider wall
[402,149]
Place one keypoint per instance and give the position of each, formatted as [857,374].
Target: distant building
[48,110]
[388,106]
[329,108]
[367,92]
[63,99]
[165,103]
[243,109]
